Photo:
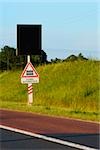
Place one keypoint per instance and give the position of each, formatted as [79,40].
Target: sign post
[30,88]
[30,94]
[29,43]
[29,76]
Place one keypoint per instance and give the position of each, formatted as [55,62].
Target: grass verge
[69,89]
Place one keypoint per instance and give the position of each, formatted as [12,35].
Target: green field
[69,89]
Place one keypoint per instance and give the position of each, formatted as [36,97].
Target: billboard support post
[29,43]
[30,88]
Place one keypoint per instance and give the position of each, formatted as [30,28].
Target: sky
[68,27]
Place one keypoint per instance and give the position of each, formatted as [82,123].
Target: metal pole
[30,88]
[28,58]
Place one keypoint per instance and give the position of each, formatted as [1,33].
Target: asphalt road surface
[69,130]
[11,140]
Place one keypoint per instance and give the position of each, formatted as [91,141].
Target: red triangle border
[22,75]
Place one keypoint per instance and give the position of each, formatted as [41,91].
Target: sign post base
[30,94]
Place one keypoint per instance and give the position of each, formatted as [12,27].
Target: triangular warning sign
[29,71]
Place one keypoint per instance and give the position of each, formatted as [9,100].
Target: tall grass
[73,86]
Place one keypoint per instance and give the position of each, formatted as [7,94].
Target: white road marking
[55,140]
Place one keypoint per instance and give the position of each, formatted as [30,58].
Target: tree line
[9,60]
[71,58]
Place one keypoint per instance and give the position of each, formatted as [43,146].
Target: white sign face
[29,75]
[29,80]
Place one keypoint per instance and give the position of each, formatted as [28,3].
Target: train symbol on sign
[29,72]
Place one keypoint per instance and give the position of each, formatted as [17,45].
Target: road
[11,140]
[67,130]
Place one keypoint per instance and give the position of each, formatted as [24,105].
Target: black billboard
[29,39]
